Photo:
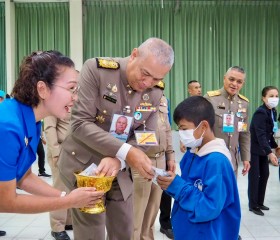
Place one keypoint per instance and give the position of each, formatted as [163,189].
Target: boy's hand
[164,182]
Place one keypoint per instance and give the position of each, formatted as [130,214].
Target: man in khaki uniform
[194,88]
[147,195]
[108,87]
[55,130]
[227,100]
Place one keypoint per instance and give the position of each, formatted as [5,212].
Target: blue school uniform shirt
[20,135]
[206,205]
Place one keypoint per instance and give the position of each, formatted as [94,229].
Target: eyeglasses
[73,91]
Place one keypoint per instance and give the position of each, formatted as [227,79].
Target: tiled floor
[36,226]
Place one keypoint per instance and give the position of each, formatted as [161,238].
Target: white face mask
[272,102]
[188,139]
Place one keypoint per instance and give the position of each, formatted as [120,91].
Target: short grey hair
[158,48]
[238,69]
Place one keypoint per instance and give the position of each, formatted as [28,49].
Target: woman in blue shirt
[47,85]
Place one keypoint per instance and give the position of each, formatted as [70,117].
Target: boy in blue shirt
[206,198]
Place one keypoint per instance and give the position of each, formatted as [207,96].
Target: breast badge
[221,106]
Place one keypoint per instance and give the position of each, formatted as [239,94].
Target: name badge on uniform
[228,123]
[146,138]
[110,97]
[242,126]
[221,106]
[120,126]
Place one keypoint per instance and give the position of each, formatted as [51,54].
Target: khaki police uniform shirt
[223,103]
[163,133]
[104,91]
[55,130]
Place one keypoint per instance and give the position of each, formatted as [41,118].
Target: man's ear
[42,89]
[134,53]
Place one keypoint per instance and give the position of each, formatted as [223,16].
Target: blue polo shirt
[19,134]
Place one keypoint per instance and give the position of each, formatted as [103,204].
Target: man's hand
[277,151]
[140,162]
[182,147]
[164,182]
[171,166]
[246,167]
[108,167]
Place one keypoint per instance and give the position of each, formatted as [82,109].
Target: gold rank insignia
[161,85]
[100,118]
[214,93]
[107,63]
[243,97]
[145,104]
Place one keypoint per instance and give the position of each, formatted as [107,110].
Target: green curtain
[41,26]
[3,77]
[207,36]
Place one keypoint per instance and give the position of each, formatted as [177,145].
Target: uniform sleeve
[54,147]
[244,140]
[259,121]
[216,193]
[84,112]
[10,148]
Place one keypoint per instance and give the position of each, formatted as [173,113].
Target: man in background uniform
[55,130]
[147,195]
[227,100]
[107,87]
[194,88]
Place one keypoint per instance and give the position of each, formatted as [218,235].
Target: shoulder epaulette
[214,93]
[243,97]
[161,85]
[107,63]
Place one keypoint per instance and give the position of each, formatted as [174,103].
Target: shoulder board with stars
[243,97]
[214,93]
[161,85]
[107,63]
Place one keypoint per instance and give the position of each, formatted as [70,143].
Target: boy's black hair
[195,109]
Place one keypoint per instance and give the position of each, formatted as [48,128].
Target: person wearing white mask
[206,200]
[262,128]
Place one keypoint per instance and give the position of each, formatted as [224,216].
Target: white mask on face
[188,139]
[272,102]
